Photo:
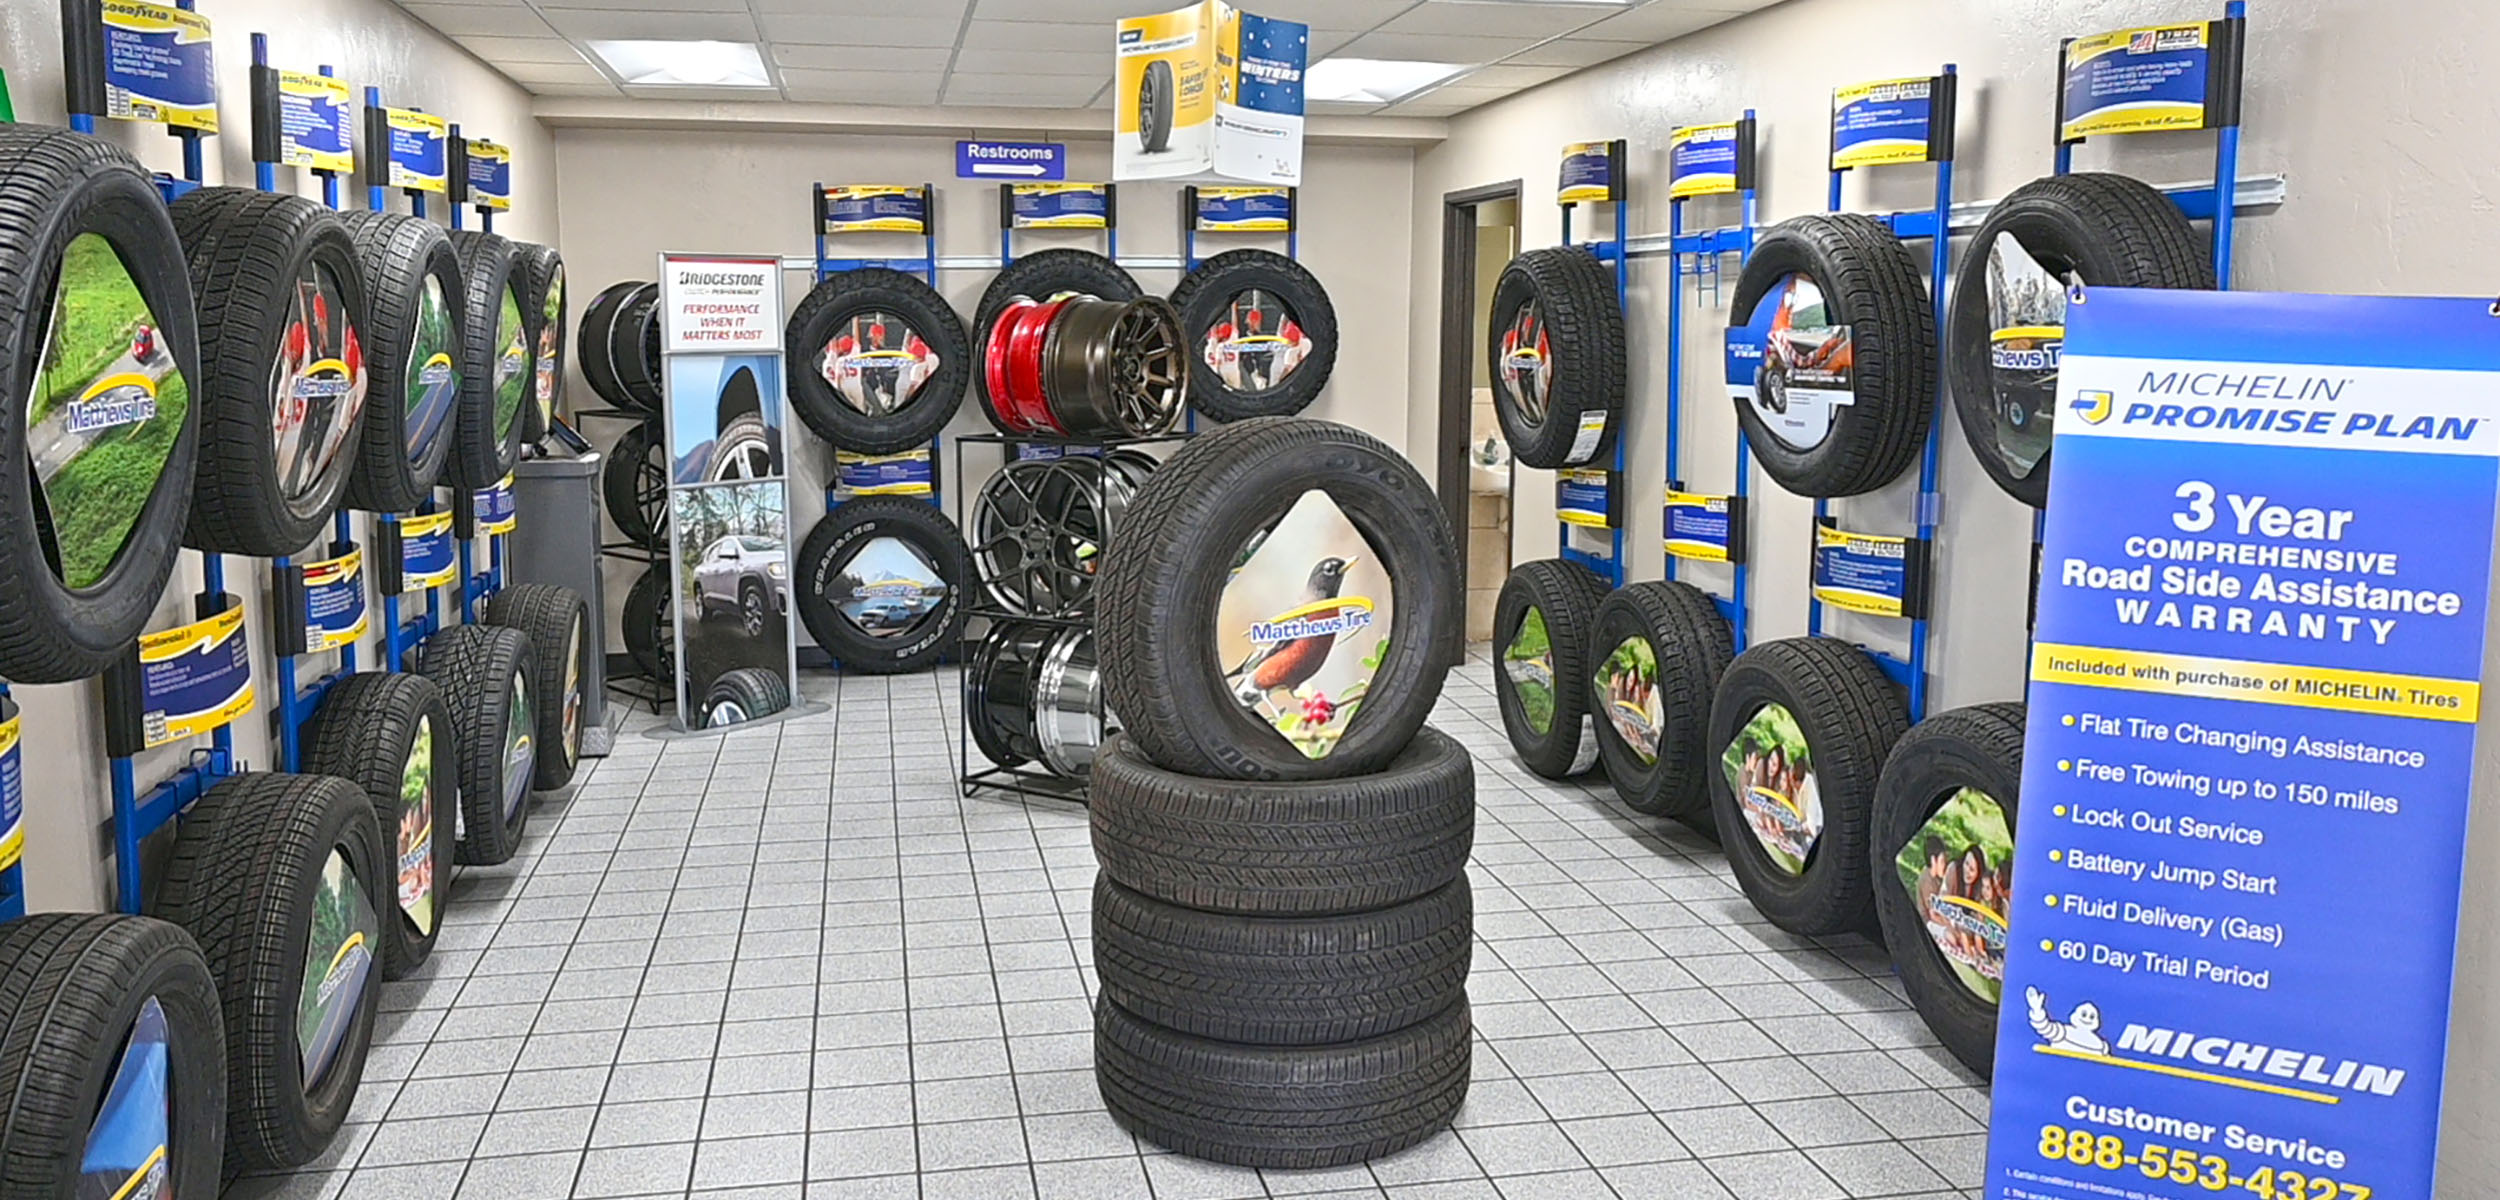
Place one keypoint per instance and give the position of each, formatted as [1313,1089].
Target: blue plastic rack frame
[1707,247]
[1614,251]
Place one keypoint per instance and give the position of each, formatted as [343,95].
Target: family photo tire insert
[484,672]
[1563,300]
[634,482]
[1979,748]
[375,731]
[76,590]
[1158,593]
[1155,105]
[650,627]
[249,879]
[2097,230]
[1692,647]
[1283,981]
[1872,285]
[753,691]
[1849,715]
[1562,597]
[1205,299]
[1282,1107]
[407,264]
[250,254]
[825,315]
[835,542]
[1285,849]
[557,622]
[495,390]
[542,289]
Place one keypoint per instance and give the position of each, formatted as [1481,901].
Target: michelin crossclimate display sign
[1209,94]
[2250,756]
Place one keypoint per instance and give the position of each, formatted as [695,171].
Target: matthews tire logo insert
[1256,344]
[416,829]
[1528,361]
[1770,769]
[2027,322]
[878,363]
[888,588]
[1304,624]
[338,966]
[1627,695]
[319,385]
[1959,872]
[520,758]
[550,356]
[1529,664]
[433,378]
[512,364]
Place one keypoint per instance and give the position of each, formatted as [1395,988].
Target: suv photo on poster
[733,587]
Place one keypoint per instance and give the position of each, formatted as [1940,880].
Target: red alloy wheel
[1025,340]
[995,357]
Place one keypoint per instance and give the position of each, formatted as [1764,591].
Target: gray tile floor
[792,962]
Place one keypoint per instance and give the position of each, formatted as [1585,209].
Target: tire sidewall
[837,540]
[1926,769]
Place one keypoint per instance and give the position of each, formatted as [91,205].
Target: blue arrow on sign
[1047,161]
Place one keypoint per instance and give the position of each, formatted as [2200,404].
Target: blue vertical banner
[1889,121]
[418,153]
[2250,755]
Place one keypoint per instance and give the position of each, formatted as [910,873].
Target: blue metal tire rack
[1615,251]
[1706,248]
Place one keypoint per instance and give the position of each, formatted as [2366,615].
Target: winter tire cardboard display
[99,341]
[489,677]
[1943,862]
[283,879]
[2009,305]
[282,356]
[112,1060]
[413,319]
[1653,664]
[1556,355]
[502,371]
[557,621]
[634,483]
[391,735]
[1832,360]
[1263,332]
[543,319]
[881,584]
[1279,604]
[878,361]
[650,625]
[1801,728]
[619,346]
[1544,638]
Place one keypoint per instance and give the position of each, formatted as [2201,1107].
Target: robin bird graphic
[1286,665]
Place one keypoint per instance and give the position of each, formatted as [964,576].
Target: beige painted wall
[371,43]
[2371,116]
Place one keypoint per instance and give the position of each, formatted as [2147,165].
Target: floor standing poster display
[2256,681]
[721,341]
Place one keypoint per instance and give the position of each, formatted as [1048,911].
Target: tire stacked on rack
[503,360]
[1555,350]
[1282,924]
[618,346]
[1262,335]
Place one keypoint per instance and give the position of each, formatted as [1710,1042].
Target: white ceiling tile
[537,73]
[882,88]
[862,31]
[1457,93]
[839,10]
[1039,35]
[895,59]
[480,20]
[1509,75]
[620,24]
[606,90]
[1533,21]
[706,95]
[1010,65]
[1339,108]
[1101,12]
[1343,15]
[551,7]
[1571,52]
[1434,47]
[503,50]
[1428,107]
[1052,92]
[1658,21]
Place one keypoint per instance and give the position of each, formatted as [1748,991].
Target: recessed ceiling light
[1373,79]
[686,64]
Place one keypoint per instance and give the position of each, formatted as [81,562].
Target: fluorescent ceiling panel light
[1373,80]
[686,64]
[1579,3]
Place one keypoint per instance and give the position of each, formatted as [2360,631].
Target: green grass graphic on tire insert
[1530,664]
[106,411]
[513,375]
[338,967]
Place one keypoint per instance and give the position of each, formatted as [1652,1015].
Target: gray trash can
[557,541]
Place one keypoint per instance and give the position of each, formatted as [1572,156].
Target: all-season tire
[836,542]
[1690,647]
[1847,715]
[744,695]
[487,675]
[1163,576]
[1980,749]
[77,987]
[634,482]
[544,318]
[840,309]
[391,735]
[1155,107]
[1282,1107]
[557,621]
[1875,293]
[1555,350]
[1552,603]
[415,355]
[289,941]
[651,627]
[502,371]
[618,345]
[1236,282]
[1285,849]
[2097,230]
[82,569]
[1050,274]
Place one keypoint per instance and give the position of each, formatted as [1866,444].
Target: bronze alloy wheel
[1116,368]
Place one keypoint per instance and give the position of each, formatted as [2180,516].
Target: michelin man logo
[2079,1032]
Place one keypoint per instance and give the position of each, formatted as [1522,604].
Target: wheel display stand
[1588,499]
[1697,527]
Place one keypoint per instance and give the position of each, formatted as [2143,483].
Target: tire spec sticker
[12,788]
[1792,364]
[1958,870]
[338,967]
[428,558]
[195,678]
[1627,693]
[877,362]
[419,154]
[1304,623]
[1256,344]
[415,832]
[1244,209]
[2027,333]
[1770,769]
[1703,528]
[1708,160]
[912,473]
[513,370]
[520,745]
[2257,680]
[126,1155]
[1590,174]
[1868,572]
[1526,364]
[2143,80]
[490,175]
[550,348]
[316,122]
[1058,205]
[1258,96]
[1584,496]
[730,561]
[887,588]
[1885,122]
[106,412]
[321,382]
[1528,662]
[720,305]
[433,372]
[1591,432]
[497,511]
[335,611]
[158,65]
[873,208]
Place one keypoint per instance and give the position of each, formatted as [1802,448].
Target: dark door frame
[1458,352]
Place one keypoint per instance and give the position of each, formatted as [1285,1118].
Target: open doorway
[1479,236]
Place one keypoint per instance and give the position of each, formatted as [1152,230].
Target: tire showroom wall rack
[1588,500]
[856,475]
[1713,528]
[1198,205]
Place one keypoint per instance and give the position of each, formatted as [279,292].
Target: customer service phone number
[2212,1172]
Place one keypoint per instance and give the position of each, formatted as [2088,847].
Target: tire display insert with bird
[1304,623]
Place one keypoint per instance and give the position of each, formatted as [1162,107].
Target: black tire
[557,621]
[1691,646]
[1554,348]
[745,694]
[1162,578]
[1286,849]
[1556,600]
[249,878]
[545,316]
[847,421]
[851,529]
[619,346]
[488,677]
[1265,281]
[1042,276]
[2098,230]
[501,356]
[1873,288]
[78,986]
[267,268]
[415,355]
[651,627]
[591,339]
[1283,1107]
[387,734]
[74,595]
[1848,716]
[1155,106]
[1290,981]
[634,481]
[1979,748]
